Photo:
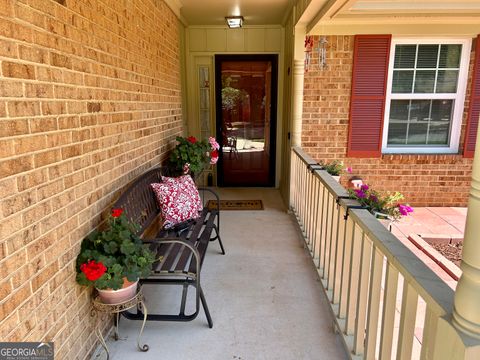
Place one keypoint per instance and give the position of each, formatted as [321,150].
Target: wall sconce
[234,22]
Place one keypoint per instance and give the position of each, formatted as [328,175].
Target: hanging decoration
[308,51]
[322,52]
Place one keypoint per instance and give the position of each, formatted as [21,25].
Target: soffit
[255,12]
[343,12]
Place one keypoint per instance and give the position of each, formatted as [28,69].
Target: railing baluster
[388,317]
[362,296]
[308,204]
[407,322]
[429,332]
[327,231]
[333,245]
[353,280]
[321,227]
[339,251]
[315,209]
[374,304]
[347,252]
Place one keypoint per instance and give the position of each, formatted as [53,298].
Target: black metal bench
[180,251]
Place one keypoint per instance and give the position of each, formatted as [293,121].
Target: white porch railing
[365,271]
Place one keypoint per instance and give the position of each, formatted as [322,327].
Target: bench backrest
[139,202]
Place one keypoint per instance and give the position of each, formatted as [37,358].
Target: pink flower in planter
[405,209]
[364,187]
[360,193]
[349,170]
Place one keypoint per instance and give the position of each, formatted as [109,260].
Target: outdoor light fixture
[234,22]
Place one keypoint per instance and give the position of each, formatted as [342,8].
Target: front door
[246,98]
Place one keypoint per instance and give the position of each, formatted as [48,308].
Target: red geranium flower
[93,270]
[192,139]
[214,153]
[116,212]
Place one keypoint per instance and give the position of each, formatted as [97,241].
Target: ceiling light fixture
[234,22]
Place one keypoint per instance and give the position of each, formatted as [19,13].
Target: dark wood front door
[246,98]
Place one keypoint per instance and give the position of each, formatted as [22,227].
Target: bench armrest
[184,242]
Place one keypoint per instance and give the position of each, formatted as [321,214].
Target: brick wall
[90,98]
[425,180]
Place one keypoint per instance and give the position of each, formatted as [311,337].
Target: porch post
[466,312]
[458,334]
[298,75]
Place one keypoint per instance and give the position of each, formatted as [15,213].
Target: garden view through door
[246,113]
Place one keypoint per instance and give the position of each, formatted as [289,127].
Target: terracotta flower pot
[127,292]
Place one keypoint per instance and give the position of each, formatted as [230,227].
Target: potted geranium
[192,156]
[114,259]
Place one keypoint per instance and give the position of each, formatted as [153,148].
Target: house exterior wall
[90,98]
[425,180]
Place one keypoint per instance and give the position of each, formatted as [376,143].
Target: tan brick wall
[89,99]
[425,180]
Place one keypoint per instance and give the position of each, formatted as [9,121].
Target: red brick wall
[89,99]
[425,180]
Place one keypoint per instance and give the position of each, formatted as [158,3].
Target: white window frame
[459,98]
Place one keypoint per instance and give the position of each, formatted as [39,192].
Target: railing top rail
[429,286]
[333,186]
[304,156]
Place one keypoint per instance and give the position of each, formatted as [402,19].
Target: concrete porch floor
[264,297]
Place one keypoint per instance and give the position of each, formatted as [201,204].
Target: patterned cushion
[178,199]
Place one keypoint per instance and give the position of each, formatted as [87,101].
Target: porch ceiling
[255,12]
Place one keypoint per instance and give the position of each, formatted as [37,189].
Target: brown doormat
[236,204]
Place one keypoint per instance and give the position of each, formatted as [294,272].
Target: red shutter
[369,86]
[474,110]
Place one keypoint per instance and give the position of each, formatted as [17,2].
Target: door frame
[273,58]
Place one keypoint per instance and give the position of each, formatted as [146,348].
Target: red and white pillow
[178,199]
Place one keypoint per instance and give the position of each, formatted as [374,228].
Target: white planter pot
[336,177]
[119,296]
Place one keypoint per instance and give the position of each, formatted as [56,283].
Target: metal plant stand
[116,309]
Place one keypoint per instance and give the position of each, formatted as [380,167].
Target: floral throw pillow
[178,200]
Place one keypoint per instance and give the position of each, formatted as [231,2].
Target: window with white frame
[425,95]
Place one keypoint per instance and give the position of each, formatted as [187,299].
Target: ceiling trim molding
[406,29]
[329,11]
[175,6]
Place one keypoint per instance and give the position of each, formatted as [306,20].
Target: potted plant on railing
[335,168]
[114,259]
[386,207]
[192,156]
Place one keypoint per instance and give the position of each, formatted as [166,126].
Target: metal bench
[179,251]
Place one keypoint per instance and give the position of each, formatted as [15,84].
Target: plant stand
[116,309]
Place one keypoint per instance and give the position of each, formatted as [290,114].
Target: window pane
[439,132]
[420,111]
[427,56]
[450,56]
[405,56]
[398,122]
[417,133]
[402,82]
[425,81]
[447,81]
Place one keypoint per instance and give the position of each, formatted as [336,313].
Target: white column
[466,312]
[298,76]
